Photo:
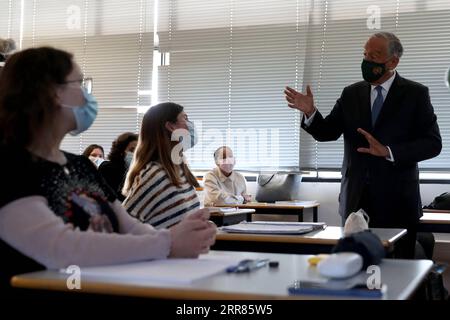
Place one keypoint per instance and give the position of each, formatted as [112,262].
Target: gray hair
[7,46]
[395,47]
[218,153]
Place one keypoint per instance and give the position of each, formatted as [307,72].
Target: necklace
[66,170]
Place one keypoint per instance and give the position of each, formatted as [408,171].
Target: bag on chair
[278,187]
[441,202]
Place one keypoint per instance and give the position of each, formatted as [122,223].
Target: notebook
[314,225]
[268,228]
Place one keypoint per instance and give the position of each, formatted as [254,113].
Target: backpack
[441,202]
[366,244]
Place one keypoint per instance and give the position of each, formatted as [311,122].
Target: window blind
[229,63]
[337,35]
[113,44]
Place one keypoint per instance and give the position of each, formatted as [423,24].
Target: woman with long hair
[160,188]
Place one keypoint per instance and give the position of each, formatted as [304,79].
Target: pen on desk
[234,268]
[247,265]
[258,264]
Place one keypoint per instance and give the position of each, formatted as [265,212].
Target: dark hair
[87,152]
[28,92]
[155,145]
[117,152]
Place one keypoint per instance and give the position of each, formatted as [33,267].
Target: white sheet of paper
[164,271]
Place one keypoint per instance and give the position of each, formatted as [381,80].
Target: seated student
[95,153]
[160,188]
[55,209]
[115,169]
[223,186]
[7,47]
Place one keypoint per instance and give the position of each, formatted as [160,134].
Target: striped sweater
[155,200]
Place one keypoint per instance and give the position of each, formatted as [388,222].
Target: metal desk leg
[300,215]
[315,214]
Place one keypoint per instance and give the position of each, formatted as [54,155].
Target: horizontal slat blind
[113,43]
[229,63]
[336,39]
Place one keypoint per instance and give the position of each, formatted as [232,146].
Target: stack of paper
[223,210]
[269,228]
[314,225]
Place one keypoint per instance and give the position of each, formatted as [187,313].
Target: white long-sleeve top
[223,190]
[29,226]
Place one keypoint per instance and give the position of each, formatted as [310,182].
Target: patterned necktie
[377,105]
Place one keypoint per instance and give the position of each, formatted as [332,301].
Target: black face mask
[372,71]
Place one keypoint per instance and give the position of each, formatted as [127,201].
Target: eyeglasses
[86,83]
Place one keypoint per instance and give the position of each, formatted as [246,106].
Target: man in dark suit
[389,126]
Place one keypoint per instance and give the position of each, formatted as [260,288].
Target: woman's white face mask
[96,160]
[227,164]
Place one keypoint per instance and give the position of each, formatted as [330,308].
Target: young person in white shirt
[223,185]
[55,209]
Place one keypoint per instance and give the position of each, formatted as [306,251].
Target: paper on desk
[268,228]
[315,225]
[222,209]
[298,203]
[228,210]
[164,271]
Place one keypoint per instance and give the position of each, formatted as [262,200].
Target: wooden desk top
[328,236]
[402,277]
[435,211]
[265,205]
[435,218]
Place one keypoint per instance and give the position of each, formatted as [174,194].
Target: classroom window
[228,61]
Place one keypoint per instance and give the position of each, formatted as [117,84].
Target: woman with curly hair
[115,170]
[95,153]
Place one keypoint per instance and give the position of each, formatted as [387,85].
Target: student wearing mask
[115,169]
[95,153]
[7,47]
[160,188]
[55,209]
[223,185]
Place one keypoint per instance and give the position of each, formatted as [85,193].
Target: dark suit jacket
[407,124]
